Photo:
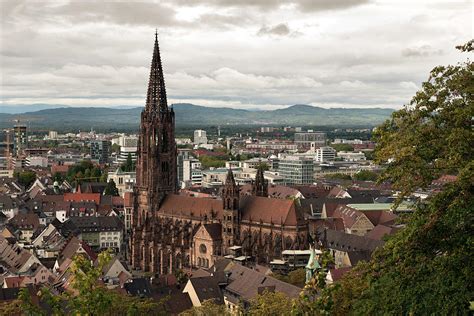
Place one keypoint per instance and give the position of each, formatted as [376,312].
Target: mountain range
[117,118]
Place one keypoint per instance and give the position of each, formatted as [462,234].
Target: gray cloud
[280,30]
[219,53]
[302,5]
[421,51]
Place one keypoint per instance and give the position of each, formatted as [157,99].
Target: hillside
[74,118]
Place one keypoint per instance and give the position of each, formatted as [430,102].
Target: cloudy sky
[244,54]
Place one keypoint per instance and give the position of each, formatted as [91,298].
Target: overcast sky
[256,54]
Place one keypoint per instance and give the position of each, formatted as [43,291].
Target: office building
[200,137]
[100,151]
[304,139]
[296,170]
[20,139]
[325,153]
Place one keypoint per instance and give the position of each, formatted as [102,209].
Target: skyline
[217,54]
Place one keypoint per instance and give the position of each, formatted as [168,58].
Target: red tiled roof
[180,205]
[380,217]
[81,197]
[128,199]
[266,210]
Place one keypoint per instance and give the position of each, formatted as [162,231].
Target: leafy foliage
[207,308]
[427,267]
[295,277]
[338,176]
[366,175]
[128,165]
[85,171]
[342,147]
[89,296]
[25,178]
[111,188]
[270,303]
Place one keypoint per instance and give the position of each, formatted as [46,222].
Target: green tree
[270,303]
[296,277]
[366,175]
[207,308]
[342,147]
[25,178]
[115,148]
[111,188]
[128,165]
[58,177]
[338,176]
[90,296]
[427,267]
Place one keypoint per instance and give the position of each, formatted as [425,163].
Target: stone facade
[171,231]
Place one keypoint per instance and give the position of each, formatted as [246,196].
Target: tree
[427,267]
[270,303]
[207,308]
[90,297]
[128,165]
[296,277]
[111,188]
[338,176]
[366,175]
[25,178]
[342,147]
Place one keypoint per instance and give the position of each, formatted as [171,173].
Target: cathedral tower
[156,163]
[260,186]
[231,220]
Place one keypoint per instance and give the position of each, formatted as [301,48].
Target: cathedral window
[202,248]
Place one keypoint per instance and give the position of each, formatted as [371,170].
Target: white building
[351,156]
[124,181]
[325,153]
[52,135]
[200,137]
[33,161]
[192,171]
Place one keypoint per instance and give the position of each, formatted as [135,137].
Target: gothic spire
[230,177]
[260,186]
[156,95]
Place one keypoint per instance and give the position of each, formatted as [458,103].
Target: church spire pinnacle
[156,94]
[260,186]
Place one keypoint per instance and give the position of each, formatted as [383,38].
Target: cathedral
[172,231]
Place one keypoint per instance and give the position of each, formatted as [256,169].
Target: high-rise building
[304,139]
[325,153]
[52,135]
[296,170]
[100,151]
[200,137]
[20,139]
[128,146]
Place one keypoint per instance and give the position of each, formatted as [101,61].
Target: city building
[52,135]
[100,232]
[36,161]
[351,156]
[200,137]
[171,231]
[124,181]
[128,146]
[296,170]
[100,151]
[304,139]
[325,153]
[20,138]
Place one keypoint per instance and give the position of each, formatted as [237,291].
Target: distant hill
[75,118]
